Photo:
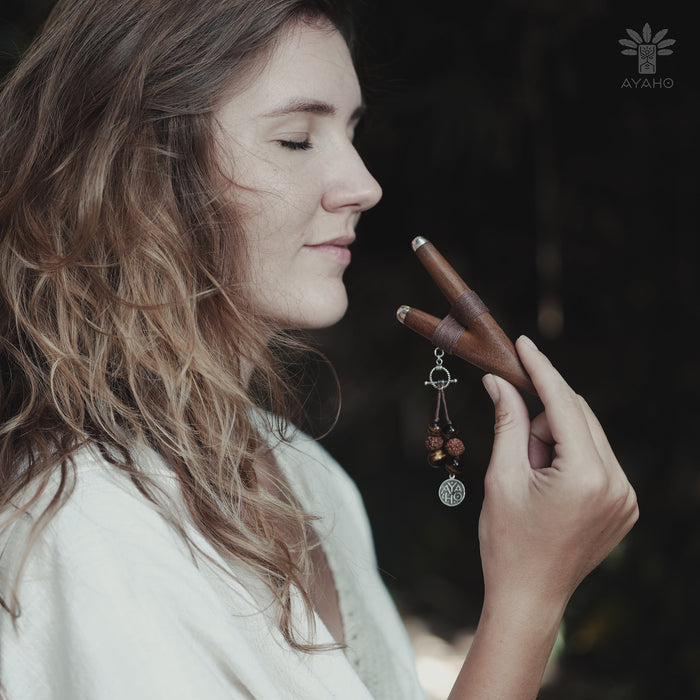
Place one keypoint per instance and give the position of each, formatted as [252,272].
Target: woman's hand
[556,503]
[556,500]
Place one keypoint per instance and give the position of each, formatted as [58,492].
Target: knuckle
[594,484]
[622,501]
[565,400]
[572,400]
[582,401]
[620,497]
[505,420]
[632,503]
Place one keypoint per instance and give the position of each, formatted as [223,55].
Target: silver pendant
[452,491]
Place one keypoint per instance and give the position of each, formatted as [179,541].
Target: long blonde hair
[119,324]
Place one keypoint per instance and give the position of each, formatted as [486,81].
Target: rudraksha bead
[454,447]
[433,442]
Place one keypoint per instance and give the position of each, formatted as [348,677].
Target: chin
[321,319]
[305,307]
[327,312]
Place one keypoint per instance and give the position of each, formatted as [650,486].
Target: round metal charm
[452,491]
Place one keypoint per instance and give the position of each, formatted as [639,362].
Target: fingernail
[527,341]
[491,385]
[402,312]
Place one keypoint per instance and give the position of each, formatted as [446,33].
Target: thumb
[512,424]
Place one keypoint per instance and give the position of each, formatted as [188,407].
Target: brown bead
[449,430]
[434,428]
[436,458]
[433,442]
[455,447]
[452,465]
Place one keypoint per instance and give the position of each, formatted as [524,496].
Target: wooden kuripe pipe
[498,358]
[483,343]
[443,274]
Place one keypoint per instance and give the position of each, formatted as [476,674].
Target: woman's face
[287,144]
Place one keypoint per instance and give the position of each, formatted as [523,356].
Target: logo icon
[647,48]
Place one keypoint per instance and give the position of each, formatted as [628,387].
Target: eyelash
[296,145]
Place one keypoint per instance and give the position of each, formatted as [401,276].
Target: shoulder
[104,520]
[113,604]
[101,497]
[108,581]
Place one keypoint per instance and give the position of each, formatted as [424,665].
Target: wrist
[511,648]
[536,616]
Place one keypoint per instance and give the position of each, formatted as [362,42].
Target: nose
[353,187]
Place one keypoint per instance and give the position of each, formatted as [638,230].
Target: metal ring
[439,383]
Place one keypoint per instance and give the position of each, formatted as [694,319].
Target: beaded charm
[444,447]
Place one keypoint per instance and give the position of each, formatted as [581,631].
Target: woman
[179,189]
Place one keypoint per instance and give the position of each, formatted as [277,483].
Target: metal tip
[402,313]
[417,242]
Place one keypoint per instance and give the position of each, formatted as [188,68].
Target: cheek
[276,193]
[274,230]
[278,220]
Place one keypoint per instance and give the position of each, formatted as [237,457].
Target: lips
[342,241]
[336,248]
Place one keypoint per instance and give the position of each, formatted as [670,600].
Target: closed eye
[295,145]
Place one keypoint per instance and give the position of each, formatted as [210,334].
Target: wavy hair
[120,327]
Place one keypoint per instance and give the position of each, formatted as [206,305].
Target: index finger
[565,417]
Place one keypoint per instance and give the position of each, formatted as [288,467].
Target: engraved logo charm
[451,491]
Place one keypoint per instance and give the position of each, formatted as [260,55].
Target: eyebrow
[313,107]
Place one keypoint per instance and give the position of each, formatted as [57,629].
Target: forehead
[309,61]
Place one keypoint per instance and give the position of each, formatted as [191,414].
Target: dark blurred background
[502,132]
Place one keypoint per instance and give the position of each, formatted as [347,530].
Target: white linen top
[115,605]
